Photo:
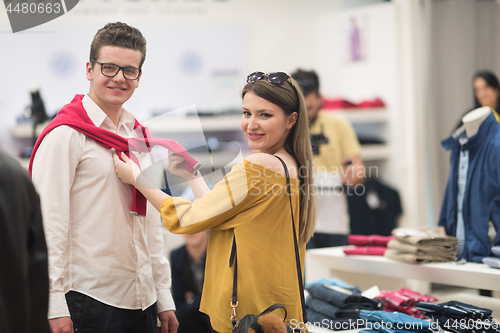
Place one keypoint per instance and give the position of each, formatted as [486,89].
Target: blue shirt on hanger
[481,196]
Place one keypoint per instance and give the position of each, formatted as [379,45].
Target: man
[107,269]
[24,280]
[336,162]
[188,273]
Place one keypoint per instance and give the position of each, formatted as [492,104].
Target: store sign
[31,13]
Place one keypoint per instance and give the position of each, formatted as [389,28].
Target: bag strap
[295,241]
[233,260]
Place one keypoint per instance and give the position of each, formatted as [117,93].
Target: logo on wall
[191,62]
[62,64]
[26,14]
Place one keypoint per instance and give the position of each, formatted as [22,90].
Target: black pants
[91,316]
[190,322]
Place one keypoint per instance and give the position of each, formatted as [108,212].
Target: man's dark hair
[121,35]
[308,81]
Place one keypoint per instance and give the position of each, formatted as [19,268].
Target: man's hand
[169,323]
[61,325]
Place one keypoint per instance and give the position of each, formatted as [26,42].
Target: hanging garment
[481,195]
[374,211]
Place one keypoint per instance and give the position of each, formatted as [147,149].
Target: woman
[486,92]
[251,204]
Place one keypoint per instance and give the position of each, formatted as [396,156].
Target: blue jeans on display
[319,320]
[342,300]
[464,325]
[319,240]
[91,316]
[330,310]
[454,309]
[394,322]
[334,281]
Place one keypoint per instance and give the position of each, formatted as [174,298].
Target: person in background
[24,279]
[250,209]
[107,268]
[337,162]
[486,93]
[188,274]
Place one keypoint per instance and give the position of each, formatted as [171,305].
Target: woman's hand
[126,170]
[175,168]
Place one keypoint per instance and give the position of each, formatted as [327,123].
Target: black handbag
[242,325]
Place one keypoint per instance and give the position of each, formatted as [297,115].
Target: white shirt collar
[98,116]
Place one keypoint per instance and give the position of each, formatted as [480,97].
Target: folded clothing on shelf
[343,300]
[340,103]
[365,250]
[413,258]
[335,281]
[331,310]
[320,320]
[458,317]
[454,309]
[422,245]
[441,247]
[424,236]
[372,240]
[393,322]
[493,261]
[340,307]
[404,300]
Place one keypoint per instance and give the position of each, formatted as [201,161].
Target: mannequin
[474,119]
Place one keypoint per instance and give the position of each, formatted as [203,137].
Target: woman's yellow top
[251,203]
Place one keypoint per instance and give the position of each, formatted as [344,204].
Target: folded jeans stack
[374,245]
[422,245]
[458,317]
[337,306]
[493,261]
[393,322]
[404,300]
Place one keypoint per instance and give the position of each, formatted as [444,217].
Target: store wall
[189,44]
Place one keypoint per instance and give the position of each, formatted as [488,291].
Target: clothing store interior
[402,100]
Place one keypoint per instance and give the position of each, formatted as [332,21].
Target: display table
[320,263]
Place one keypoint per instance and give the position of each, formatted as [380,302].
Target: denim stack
[393,322]
[493,261]
[340,307]
[458,317]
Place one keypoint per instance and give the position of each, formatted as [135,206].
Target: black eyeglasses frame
[119,68]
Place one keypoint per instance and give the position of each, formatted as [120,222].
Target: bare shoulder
[271,162]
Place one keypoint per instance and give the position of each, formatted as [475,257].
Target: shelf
[368,115]
[469,275]
[375,152]
[192,124]
[25,131]
[163,125]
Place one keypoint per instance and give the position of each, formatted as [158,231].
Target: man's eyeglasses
[110,70]
[274,78]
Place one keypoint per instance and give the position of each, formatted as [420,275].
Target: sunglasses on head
[274,78]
